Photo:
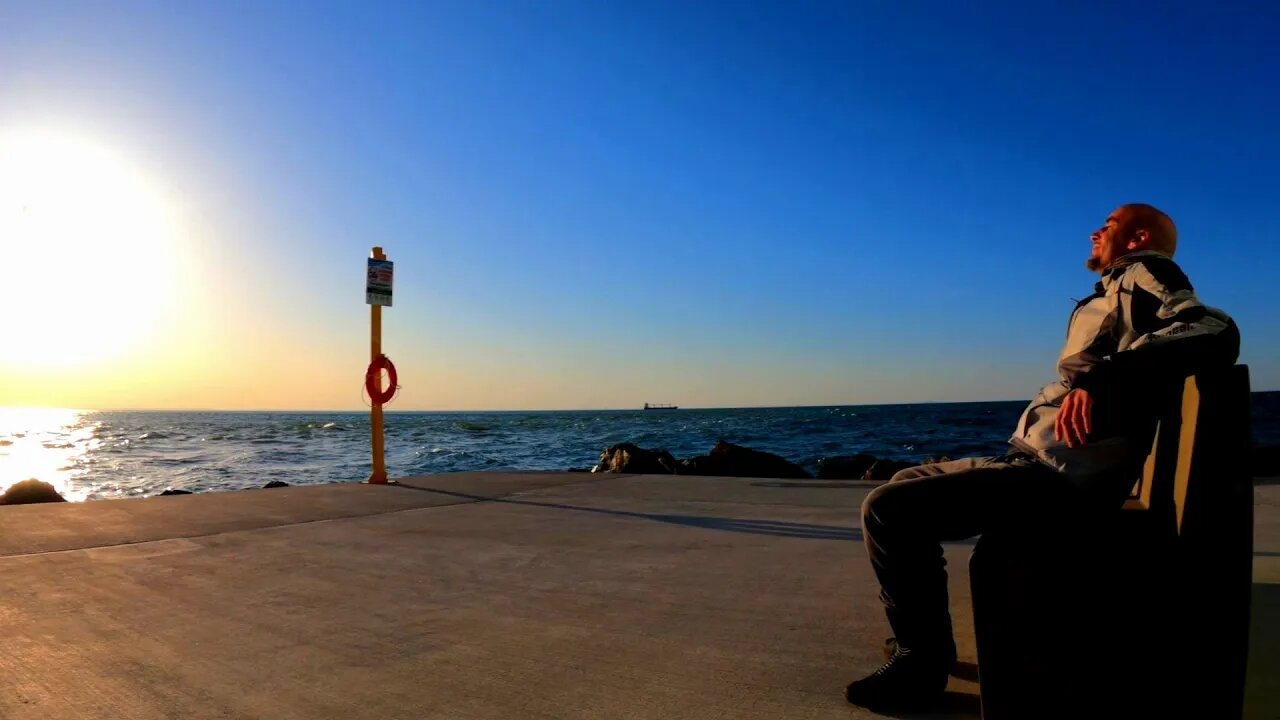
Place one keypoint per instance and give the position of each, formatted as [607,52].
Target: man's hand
[1075,419]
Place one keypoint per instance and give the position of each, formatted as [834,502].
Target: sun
[87,251]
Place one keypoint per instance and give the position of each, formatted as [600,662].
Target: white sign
[378,286]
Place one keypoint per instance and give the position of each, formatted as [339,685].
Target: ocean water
[91,455]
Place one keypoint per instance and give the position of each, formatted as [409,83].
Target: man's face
[1110,241]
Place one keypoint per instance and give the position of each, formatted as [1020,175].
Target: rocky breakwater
[30,492]
[729,460]
[1265,462]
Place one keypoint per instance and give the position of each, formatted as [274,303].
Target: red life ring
[373,380]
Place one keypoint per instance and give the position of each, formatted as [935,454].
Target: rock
[1266,461]
[275,484]
[630,458]
[171,491]
[700,465]
[886,469]
[573,469]
[845,467]
[31,491]
[731,460]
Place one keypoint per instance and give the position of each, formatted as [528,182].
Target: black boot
[919,659]
[912,679]
[948,651]
[922,626]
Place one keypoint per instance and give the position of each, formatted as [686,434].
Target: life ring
[373,380]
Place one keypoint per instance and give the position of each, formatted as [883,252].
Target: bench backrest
[1199,454]
[1197,490]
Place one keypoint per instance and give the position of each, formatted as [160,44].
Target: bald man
[1079,445]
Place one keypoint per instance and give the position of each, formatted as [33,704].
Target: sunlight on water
[45,444]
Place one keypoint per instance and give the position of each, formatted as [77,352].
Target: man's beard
[1094,264]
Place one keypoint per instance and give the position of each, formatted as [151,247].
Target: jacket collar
[1113,271]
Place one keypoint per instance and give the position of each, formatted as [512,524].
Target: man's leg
[904,524]
[921,471]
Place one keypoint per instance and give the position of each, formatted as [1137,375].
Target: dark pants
[905,521]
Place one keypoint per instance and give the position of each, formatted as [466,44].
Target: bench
[1142,612]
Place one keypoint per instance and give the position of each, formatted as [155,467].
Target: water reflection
[46,444]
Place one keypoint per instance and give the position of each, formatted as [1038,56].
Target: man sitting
[1080,444]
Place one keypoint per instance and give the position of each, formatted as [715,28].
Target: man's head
[1131,228]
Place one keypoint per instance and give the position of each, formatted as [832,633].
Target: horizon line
[519,410]
[497,410]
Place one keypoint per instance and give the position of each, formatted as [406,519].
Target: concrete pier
[475,596]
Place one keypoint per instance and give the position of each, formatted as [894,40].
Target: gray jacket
[1142,329]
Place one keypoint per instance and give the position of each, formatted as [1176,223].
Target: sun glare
[87,251]
[47,445]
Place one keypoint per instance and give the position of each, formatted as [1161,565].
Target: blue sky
[601,204]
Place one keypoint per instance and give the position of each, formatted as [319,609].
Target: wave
[177,462]
[438,455]
[308,427]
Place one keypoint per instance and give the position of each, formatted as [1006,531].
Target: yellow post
[379,476]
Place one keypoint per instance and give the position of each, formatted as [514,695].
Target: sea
[92,455]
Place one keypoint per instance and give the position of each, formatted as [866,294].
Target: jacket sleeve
[1177,335]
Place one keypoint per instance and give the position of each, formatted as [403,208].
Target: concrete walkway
[485,595]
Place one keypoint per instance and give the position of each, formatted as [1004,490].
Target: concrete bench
[1144,612]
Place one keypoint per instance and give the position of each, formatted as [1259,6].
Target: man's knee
[910,473]
[942,467]
[878,506]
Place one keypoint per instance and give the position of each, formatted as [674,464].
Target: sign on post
[378,288]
